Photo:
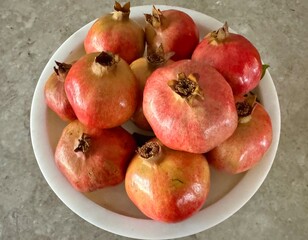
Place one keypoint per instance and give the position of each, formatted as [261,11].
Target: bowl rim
[144,228]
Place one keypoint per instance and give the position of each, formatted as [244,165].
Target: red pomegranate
[91,158]
[174,29]
[167,185]
[250,141]
[142,69]
[117,33]
[234,56]
[55,95]
[189,106]
[102,90]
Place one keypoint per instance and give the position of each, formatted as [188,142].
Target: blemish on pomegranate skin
[177,180]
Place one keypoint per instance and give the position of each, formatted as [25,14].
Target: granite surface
[31,30]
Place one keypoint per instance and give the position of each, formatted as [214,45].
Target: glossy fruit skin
[142,69]
[105,162]
[178,33]
[103,99]
[56,98]
[171,189]
[116,34]
[180,126]
[235,58]
[246,147]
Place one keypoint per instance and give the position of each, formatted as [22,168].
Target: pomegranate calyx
[186,86]
[121,12]
[83,143]
[104,62]
[150,150]
[246,107]
[221,34]
[158,57]
[124,8]
[62,70]
[107,59]
[155,18]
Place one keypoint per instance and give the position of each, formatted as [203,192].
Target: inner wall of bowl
[115,198]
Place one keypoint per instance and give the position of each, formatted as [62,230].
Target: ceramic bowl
[110,208]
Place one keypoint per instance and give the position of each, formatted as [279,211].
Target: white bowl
[110,209]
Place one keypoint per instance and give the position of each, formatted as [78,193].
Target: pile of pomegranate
[194,95]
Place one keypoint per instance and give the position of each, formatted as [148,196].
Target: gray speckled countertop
[31,30]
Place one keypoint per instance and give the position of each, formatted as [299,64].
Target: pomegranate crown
[155,18]
[221,34]
[158,56]
[121,12]
[246,107]
[186,87]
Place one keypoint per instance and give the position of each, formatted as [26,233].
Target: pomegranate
[233,56]
[102,90]
[142,69]
[92,158]
[116,33]
[167,185]
[174,29]
[247,145]
[55,95]
[189,106]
